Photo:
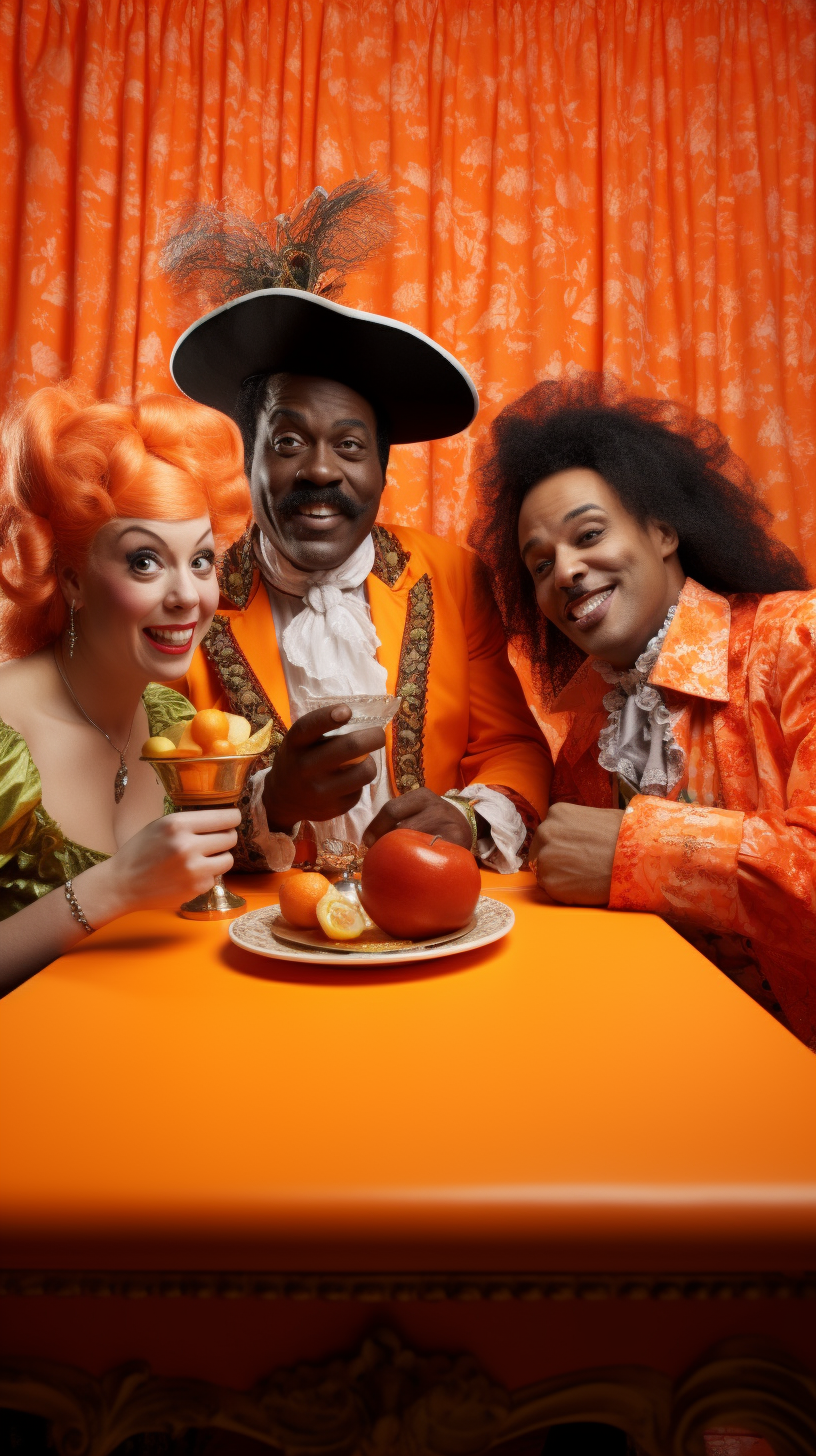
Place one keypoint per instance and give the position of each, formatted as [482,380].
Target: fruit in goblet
[219,735]
[209,726]
[204,771]
[158,747]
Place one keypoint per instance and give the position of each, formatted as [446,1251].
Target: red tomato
[414,885]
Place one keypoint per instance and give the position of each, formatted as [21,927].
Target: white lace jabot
[638,741]
[333,641]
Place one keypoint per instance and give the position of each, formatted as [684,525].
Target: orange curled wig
[70,465]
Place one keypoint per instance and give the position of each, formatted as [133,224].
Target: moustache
[332,496]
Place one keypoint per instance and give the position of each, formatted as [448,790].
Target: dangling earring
[72,636]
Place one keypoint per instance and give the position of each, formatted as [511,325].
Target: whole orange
[414,885]
[220,748]
[298,897]
[208,725]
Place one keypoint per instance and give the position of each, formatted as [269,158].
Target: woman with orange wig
[110,519]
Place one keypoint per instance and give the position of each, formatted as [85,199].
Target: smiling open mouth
[317,519]
[591,608]
[320,508]
[170,639]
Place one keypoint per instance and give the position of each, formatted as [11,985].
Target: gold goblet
[206,783]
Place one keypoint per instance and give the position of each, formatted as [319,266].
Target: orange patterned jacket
[463,717]
[729,858]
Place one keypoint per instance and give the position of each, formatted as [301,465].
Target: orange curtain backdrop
[626,183]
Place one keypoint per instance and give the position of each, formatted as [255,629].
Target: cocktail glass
[368,710]
[206,783]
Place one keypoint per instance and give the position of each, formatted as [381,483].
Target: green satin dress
[35,855]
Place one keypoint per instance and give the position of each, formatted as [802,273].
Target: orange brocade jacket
[729,859]
[463,717]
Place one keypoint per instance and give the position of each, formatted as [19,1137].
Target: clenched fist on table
[573,853]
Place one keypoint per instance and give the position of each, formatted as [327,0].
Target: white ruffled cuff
[278,849]
[500,849]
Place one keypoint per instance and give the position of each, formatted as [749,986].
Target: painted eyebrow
[570,516]
[579,511]
[361,424]
[146,531]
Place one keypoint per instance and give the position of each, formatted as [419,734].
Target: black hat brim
[420,389]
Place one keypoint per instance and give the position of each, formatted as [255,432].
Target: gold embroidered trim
[412,687]
[390,558]
[236,570]
[247,698]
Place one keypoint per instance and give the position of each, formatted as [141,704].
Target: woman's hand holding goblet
[171,860]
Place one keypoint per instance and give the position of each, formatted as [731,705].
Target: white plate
[255,932]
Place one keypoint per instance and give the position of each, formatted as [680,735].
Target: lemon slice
[340,917]
[258,743]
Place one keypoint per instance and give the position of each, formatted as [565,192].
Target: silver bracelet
[75,907]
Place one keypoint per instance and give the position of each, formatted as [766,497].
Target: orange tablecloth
[589,1093]
[588,1096]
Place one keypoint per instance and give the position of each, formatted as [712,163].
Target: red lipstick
[171,649]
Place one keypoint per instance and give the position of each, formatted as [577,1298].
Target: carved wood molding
[386,1288]
[388,1400]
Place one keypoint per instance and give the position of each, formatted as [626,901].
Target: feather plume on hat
[220,254]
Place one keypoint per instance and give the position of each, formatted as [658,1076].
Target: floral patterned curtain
[616,183]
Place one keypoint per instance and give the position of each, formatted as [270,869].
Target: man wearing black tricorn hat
[318,600]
